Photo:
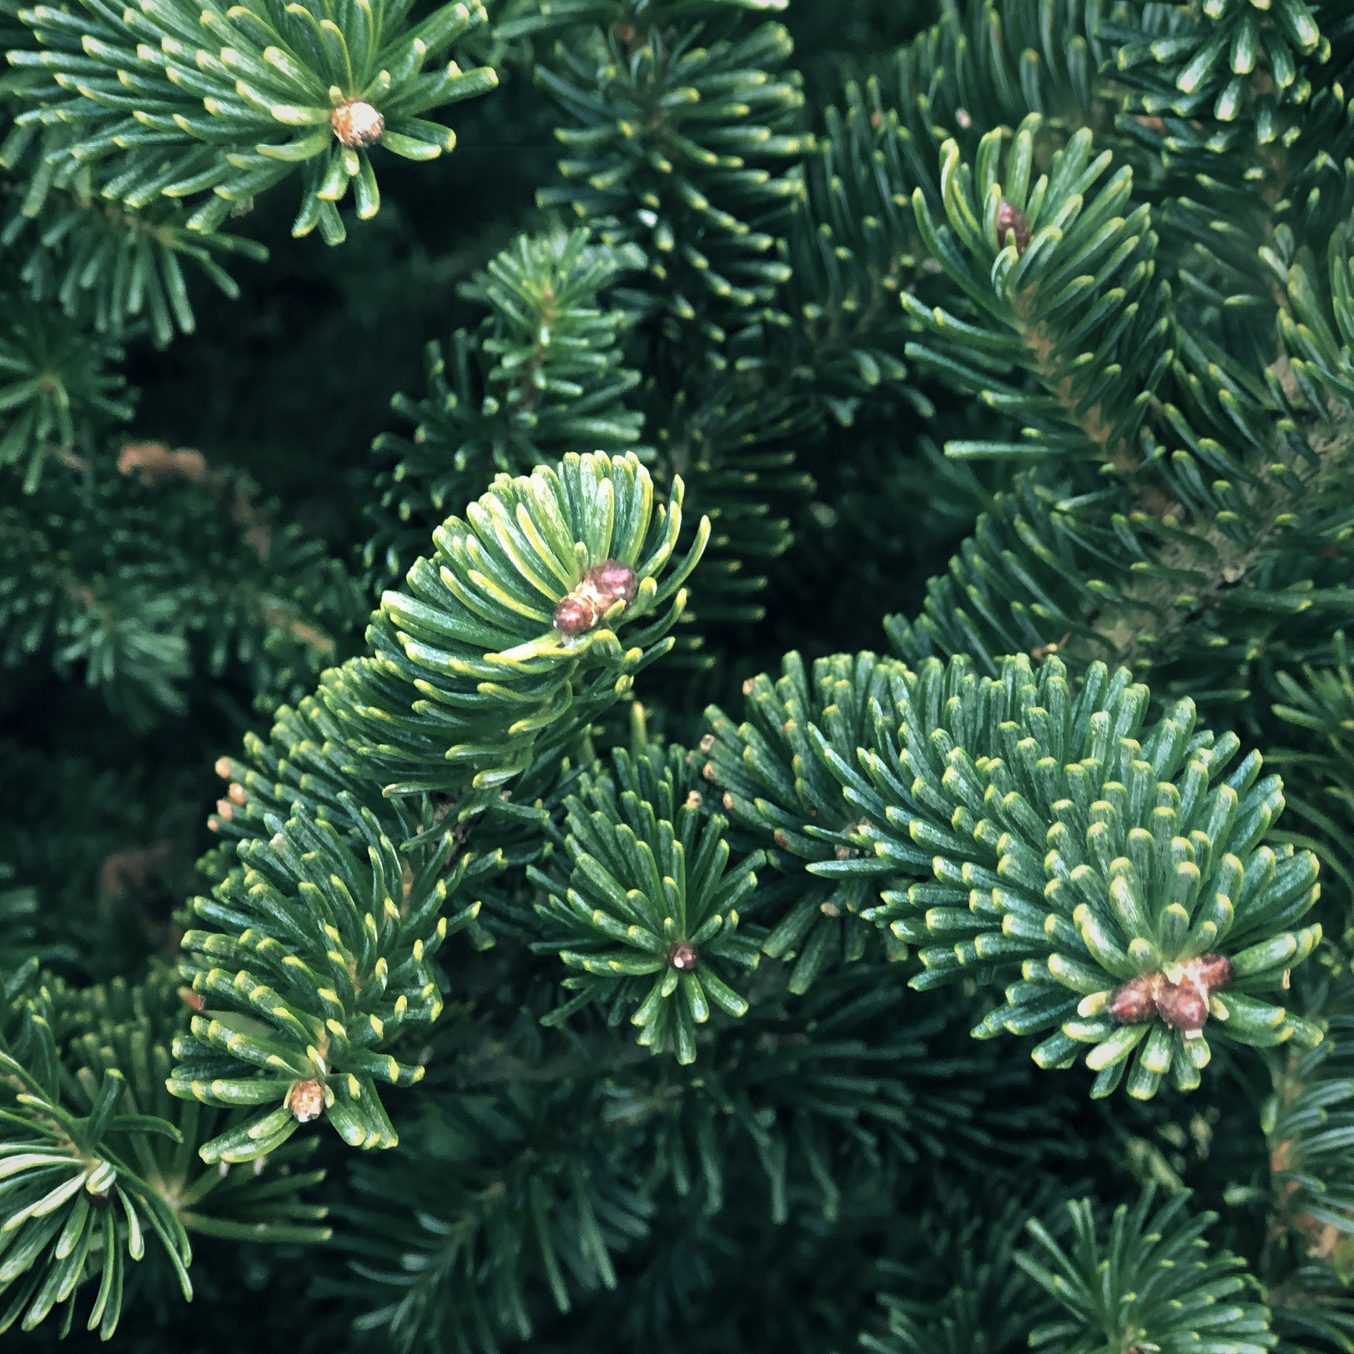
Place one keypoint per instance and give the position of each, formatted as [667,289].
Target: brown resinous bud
[1134,1002]
[1213,971]
[1181,1001]
[1183,1006]
[574,615]
[682,956]
[601,588]
[614,580]
[306,1100]
[357,123]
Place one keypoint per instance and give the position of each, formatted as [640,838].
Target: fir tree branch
[266,94]
[1117,870]
[318,951]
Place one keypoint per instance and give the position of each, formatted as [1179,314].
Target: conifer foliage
[835,832]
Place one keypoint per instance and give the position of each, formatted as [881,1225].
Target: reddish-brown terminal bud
[683,956]
[306,1100]
[1132,1003]
[357,123]
[1011,218]
[1214,971]
[236,793]
[614,580]
[574,615]
[223,768]
[1183,1006]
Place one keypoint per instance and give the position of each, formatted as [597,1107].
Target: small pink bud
[1132,1003]
[1011,218]
[683,956]
[306,1100]
[614,580]
[1183,1006]
[574,615]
